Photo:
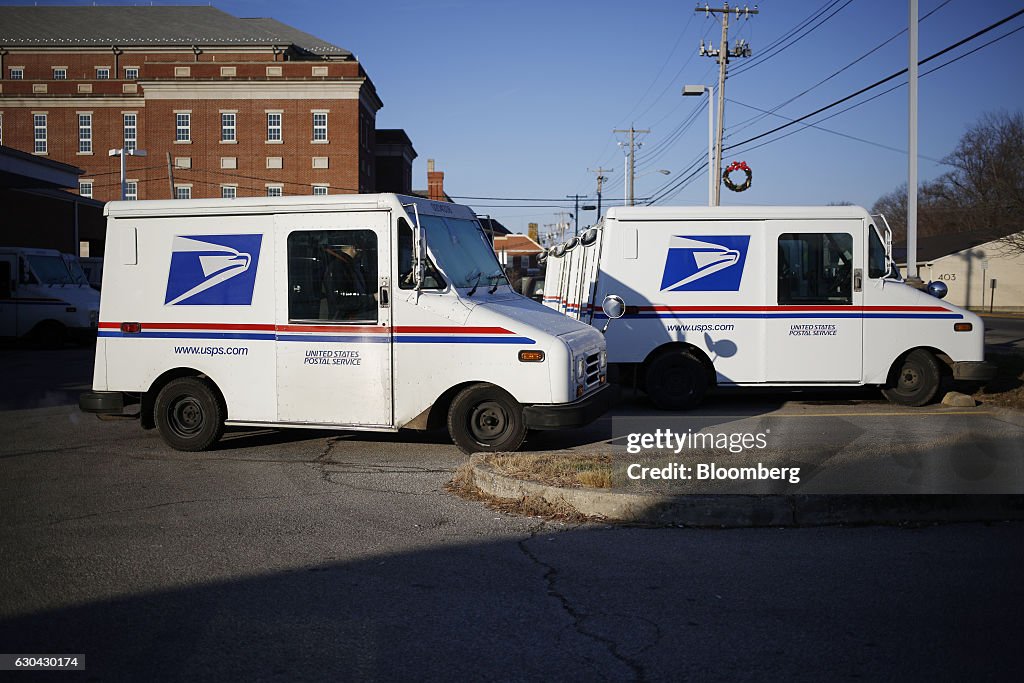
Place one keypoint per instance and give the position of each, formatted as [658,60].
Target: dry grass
[1007,387]
[566,470]
[462,485]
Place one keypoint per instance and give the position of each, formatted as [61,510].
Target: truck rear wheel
[914,380]
[189,414]
[484,418]
[676,381]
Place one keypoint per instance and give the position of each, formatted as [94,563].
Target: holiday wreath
[737,166]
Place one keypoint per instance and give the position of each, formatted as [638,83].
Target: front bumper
[974,370]
[580,412]
[101,402]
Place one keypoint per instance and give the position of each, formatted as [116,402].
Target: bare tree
[983,194]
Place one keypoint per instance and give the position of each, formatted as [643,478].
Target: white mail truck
[357,312]
[760,296]
[44,297]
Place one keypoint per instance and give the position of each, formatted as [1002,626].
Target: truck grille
[593,374]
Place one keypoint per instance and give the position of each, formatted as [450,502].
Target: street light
[713,171]
[124,171]
[662,171]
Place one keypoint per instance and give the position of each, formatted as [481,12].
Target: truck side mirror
[938,289]
[614,307]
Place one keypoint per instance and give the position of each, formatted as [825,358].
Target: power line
[895,87]
[745,124]
[681,183]
[881,81]
[769,52]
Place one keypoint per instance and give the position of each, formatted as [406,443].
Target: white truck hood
[527,312]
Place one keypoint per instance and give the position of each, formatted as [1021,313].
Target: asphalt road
[335,556]
[1004,333]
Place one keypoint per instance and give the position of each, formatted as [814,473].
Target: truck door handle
[858,279]
[384,296]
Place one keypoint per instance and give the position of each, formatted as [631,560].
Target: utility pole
[723,53]
[576,214]
[549,232]
[630,176]
[563,224]
[600,183]
[913,278]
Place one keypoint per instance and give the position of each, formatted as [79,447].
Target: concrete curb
[727,511]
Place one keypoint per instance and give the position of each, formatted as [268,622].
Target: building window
[17,73]
[183,192]
[131,73]
[227,127]
[319,190]
[60,74]
[228,191]
[131,131]
[85,133]
[85,188]
[228,71]
[39,133]
[319,126]
[183,127]
[102,73]
[275,191]
[131,190]
[274,127]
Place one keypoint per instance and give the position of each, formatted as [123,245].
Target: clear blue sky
[518,99]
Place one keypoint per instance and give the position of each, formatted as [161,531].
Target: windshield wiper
[476,284]
[497,281]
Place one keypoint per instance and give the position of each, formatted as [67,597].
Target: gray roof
[133,26]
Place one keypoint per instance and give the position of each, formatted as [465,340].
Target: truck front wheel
[914,380]
[484,418]
[189,414]
[676,381]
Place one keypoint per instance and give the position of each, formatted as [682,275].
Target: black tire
[484,418]
[914,380]
[50,335]
[676,381]
[189,414]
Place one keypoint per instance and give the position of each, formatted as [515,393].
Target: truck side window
[406,269]
[332,276]
[815,268]
[5,280]
[876,255]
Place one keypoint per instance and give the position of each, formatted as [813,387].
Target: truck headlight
[604,359]
[581,368]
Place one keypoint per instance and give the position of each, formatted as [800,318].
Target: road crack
[550,579]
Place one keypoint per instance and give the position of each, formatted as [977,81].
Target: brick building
[223,106]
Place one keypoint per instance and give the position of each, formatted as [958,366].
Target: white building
[981,275]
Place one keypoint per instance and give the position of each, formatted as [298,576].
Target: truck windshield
[462,251]
[50,270]
[77,274]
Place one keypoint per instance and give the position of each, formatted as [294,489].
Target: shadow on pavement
[592,604]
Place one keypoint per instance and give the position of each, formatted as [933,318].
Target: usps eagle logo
[213,270]
[712,263]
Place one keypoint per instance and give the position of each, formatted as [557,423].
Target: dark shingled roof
[134,26]
[934,247]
